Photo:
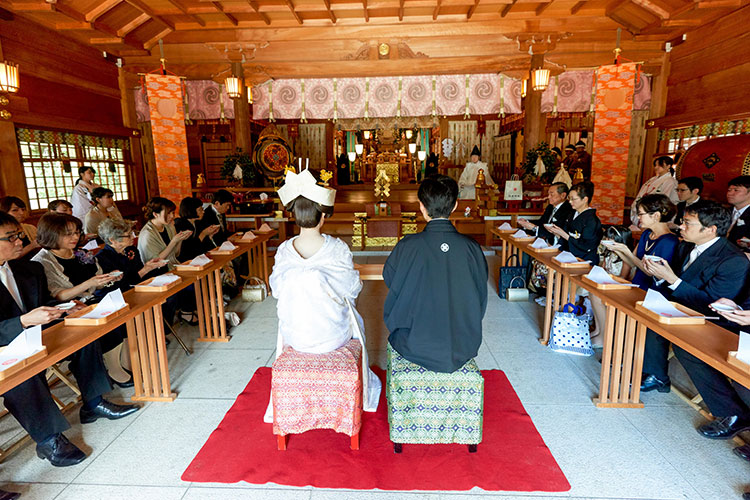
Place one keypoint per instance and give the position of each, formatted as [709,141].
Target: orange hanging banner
[170,141]
[609,162]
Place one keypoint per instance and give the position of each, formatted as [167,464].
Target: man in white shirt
[689,191]
[738,195]
[709,268]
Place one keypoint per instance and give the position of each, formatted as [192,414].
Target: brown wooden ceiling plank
[136,22]
[505,10]
[574,10]
[229,16]
[293,11]
[472,9]
[256,8]
[542,8]
[330,12]
[719,4]
[184,10]
[68,11]
[367,14]
[139,4]
[625,23]
[681,23]
[614,6]
[653,8]
[100,9]
[149,44]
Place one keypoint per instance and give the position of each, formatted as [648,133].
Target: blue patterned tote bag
[570,332]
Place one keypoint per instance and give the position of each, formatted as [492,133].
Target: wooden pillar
[241,112]
[658,109]
[535,122]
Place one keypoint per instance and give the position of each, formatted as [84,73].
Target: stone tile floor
[653,453]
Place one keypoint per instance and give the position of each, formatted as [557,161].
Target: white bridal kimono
[664,184]
[468,179]
[316,306]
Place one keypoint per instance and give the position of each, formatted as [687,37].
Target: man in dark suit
[689,191]
[738,195]
[23,303]
[557,212]
[711,268]
[215,214]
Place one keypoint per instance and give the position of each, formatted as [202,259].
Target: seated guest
[663,182]
[437,286]
[583,230]
[191,211]
[60,207]
[158,238]
[688,191]
[706,268]
[315,282]
[557,212]
[24,300]
[738,195]
[215,214]
[654,210]
[17,208]
[104,208]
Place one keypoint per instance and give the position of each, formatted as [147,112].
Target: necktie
[552,215]
[6,276]
[694,253]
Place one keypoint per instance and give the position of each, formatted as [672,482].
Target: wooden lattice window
[50,161]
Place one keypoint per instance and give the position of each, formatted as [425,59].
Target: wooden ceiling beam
[128,27]
[116,37]
[472,9]
[293,11]
[229,16]
[680,23]
[68,11]
[256,8]
[149,44]
[504,11]
[614,6]
[140,5]
[719,4]
[184,10]
[574,10]
[542,8]
[100,9]
[653,8]
[330,12]
[367,14]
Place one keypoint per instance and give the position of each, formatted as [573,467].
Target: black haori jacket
[437,296]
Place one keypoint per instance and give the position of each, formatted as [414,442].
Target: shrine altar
[391,170]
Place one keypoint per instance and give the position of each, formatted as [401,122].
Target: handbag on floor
[520,294]
[508,272]
[254,290]
[570,332]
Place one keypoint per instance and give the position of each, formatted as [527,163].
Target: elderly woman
[17,208]
[104,208]
[74,274]
[158,238]
[80,198]
[191,211]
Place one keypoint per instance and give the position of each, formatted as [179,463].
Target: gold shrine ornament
[480,178]
[384,49]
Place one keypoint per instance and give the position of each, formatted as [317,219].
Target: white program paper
[227,246]
[565,257]
[505,226]
[743,349]
[659,304]
[265,228]
[248,236]
[164,280]
[91,245]
[28,343]
[112,302]
[520,234]
[539,243]
[599,275]
[200,260]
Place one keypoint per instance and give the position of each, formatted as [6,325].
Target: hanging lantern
[352,156]
[524,87]
[359,148]
[233,87]
[409,133]
[8,77]
[412,147]
[421,154]
[366,134]
[540,79]
[249,95]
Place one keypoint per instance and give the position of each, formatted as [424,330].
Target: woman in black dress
[583,231]
[191,212]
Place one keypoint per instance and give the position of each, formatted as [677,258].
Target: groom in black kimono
[437,286]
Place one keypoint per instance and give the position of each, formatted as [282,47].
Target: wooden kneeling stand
[282,440]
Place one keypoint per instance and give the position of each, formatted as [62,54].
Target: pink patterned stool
[318,391]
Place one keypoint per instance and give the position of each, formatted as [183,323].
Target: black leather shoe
[108,410]
[724,428]
[124,385]
[8,495]
[746,495]
[651,382]
[743,452]
[59,451]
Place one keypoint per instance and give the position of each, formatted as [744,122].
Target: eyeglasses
[12,238]
[72,233]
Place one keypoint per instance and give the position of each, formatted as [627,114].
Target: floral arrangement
[531,172]
[240,169]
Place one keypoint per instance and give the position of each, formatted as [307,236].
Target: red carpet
[511,457]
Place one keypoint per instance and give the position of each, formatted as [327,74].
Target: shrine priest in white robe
[315,284]
[468,177]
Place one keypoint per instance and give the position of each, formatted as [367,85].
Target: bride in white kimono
[316,285]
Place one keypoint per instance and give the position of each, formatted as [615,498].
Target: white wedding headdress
[304,184]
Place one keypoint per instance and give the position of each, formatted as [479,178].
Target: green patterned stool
[426,407]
